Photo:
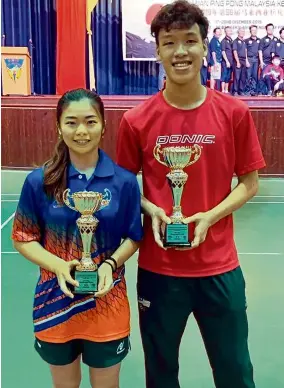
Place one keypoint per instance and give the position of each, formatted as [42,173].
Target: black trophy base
[176,236]
[88,282]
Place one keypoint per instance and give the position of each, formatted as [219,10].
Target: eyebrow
[74,117]
[169,35]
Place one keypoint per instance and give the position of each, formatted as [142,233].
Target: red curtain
[71,45]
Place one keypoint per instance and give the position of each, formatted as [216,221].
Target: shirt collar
[104,168]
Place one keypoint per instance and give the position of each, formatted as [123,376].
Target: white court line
[262,253]
[10,195]
[9,200]
[8,220]
[10,253]
[264,202]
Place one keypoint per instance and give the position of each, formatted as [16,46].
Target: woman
[68,326]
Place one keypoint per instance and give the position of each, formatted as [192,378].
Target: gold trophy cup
[176,159]
[87,203]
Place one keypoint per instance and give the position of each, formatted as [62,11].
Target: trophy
[176,159]
[87,203]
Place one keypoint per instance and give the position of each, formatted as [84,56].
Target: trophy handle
[197,152]
[66,199]
[157,152]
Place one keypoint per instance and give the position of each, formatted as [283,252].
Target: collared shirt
[58,318]
[239,45]
[266,45]
[215,47]
[278,49]
[227,46]
[252,45]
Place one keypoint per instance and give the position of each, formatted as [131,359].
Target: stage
[29,128]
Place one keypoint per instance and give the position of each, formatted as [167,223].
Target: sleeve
[261,45]
[213,44]
[133,224]
[26,225]
[235,45]
[128,151]
[248,153]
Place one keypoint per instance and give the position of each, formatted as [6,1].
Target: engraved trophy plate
[176,159]
[86,203]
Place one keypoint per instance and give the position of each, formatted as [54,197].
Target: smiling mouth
[81,142]
[182,65]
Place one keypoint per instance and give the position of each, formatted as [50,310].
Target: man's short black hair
[282,29]
[269,25]
[252,26]
[178,15]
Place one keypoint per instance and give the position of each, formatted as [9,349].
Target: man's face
[181,52]
[228,32]
[282,35]
[270,30]
[253,31]
[241,33]
[218,33]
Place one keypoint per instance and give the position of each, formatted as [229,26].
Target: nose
[81,130]
[180,50]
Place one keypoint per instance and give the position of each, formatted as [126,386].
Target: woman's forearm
[35,253]
[125,251]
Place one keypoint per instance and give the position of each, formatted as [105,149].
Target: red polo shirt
[223,126]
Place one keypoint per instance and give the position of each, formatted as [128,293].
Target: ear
[205,48]
[158,53]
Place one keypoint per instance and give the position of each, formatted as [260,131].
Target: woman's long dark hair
[55,169]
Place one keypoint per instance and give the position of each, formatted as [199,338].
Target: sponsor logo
[186,139]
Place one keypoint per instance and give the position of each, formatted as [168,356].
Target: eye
[168,43]
[191,41]
[70,123]
[91,122]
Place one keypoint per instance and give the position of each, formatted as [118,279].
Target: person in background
[278,48]
[69,326]
[239,52]
[273,75]
[266,45]
[215,57]
[252,59]
[227,61]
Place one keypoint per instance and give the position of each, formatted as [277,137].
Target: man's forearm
[246,189]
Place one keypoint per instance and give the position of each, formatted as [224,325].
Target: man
[266,46]
[239,51]
[252,62]
[215,58]
[227,61]
[278,48]
[204,69]
[206,279]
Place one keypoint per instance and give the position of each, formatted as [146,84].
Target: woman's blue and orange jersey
[58,318]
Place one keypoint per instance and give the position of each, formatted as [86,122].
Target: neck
[84,162]
[188,96]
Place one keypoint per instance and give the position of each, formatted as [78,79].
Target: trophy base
[176,236]
[88,282]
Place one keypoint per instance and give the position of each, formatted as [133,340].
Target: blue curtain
[35,20]
[113,75]
[32,23]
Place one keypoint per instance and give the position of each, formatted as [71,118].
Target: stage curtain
[113,75]
[32,23]
[71,45]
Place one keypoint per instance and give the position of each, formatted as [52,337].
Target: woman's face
[81,127]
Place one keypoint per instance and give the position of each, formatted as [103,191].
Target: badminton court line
[8,220]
